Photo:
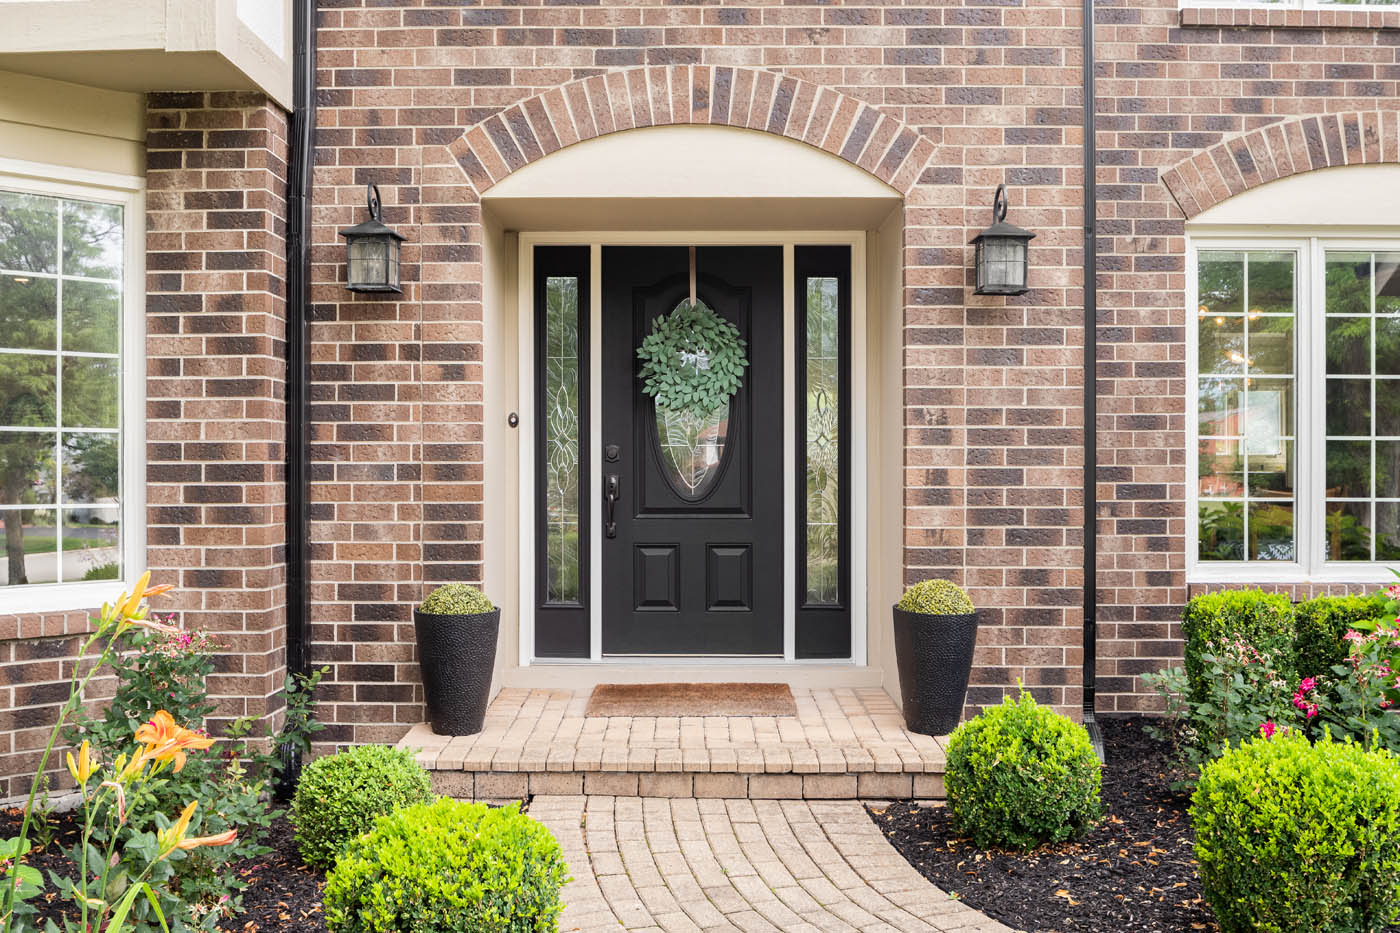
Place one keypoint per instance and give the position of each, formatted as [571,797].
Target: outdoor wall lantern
[372,251]
[1001,253]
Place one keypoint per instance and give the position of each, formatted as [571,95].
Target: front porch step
[842,744]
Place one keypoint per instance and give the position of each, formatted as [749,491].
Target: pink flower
[1308,685]
[1267,729]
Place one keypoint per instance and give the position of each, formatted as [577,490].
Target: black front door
[693,561]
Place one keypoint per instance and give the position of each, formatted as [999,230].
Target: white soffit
[1345,196]
[674,177]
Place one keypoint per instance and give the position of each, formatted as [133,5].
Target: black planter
[457,654]
[934,655]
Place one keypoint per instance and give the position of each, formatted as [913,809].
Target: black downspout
[300,166]
[1091,351]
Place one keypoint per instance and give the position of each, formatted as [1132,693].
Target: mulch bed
[283,894]
[1134,873]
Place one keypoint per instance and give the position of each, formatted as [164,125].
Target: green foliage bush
[1263,620]
[1320,624]
[1294,836]
[448,867]
[1020,774]
[456,599]
[158,670]
[936,597]
[340,796]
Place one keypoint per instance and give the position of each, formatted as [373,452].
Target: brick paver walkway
[685,865]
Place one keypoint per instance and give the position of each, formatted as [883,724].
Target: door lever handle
[611,490]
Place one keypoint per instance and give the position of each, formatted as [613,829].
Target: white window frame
[128,191]
[1310,451]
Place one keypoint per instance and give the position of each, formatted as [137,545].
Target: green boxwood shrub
[1263,620]
[448,867]
[1296,836]
[1320,624]
[456,599]
[936,597]
[340,796]
[1020,774]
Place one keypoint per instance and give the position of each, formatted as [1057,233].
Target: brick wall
[992,402]
[1188,115]
[216,372]
[215,363]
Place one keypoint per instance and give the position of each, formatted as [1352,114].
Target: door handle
[611,490]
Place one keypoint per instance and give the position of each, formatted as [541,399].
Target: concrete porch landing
[842,744]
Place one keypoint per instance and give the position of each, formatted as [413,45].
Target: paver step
[842,744]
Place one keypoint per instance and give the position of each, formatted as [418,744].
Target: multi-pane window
[1297,405]
[1246,405]
[61,282]
[1362,347]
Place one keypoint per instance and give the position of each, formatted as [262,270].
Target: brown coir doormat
[691,700]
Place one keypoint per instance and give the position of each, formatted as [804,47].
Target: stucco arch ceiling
[690,177]
[1357,196]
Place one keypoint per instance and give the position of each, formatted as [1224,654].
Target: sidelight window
[823,428]
[561,413]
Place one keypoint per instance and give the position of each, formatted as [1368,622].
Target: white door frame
[860,452]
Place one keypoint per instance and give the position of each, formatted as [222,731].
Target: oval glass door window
[692,448]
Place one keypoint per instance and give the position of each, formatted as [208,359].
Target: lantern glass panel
[373,262]
[1003,263]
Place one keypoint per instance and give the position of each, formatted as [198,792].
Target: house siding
[435,104]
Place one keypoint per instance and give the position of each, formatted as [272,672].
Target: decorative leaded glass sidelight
[562,440]
[822,401]
[823,428]
[561,466]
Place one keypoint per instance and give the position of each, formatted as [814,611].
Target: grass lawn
[36,544]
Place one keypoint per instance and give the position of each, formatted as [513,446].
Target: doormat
[691,700]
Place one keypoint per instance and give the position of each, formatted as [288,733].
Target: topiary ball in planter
[456,599]
[936,598]
[457,628]
[935,633]
[449,867]
[1293,835]
[338,797]
[1021,774]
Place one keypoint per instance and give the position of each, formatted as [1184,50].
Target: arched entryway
[760,203]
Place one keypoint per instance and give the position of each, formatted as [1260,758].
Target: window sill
[43,611]
[1251,574]
[1291,18]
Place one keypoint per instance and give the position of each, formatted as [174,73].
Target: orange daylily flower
[81,769]
[174,837]
[165,740]
[226,838]
[128,606]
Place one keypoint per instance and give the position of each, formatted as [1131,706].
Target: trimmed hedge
[448,867]
[340,796]
[1294,836]
[1320,624]
[1264,620]
[1020,774]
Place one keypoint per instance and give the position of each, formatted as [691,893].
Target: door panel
[694,564]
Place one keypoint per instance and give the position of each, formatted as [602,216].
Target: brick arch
[1280,149]
[844,126]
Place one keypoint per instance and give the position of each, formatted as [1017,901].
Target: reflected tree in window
[60,311]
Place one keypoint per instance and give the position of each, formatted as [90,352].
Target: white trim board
[525,405]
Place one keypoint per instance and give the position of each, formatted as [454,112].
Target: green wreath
[693,359]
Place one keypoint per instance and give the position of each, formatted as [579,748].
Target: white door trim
[860,452]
